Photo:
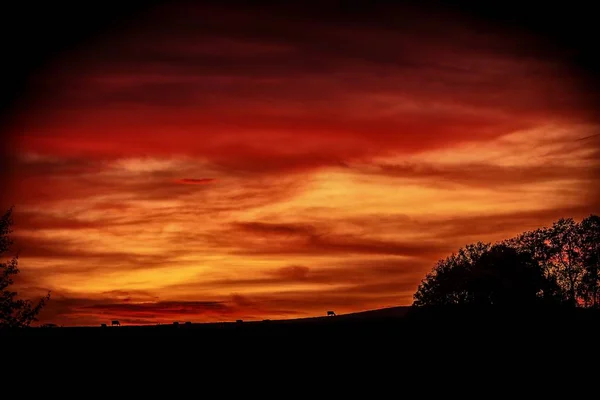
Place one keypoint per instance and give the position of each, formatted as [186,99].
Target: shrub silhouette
[13,312]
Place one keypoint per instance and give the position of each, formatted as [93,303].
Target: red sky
[213,164]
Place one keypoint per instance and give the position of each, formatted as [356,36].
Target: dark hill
[380,325]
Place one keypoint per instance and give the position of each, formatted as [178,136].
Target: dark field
[381,325]
[393,340]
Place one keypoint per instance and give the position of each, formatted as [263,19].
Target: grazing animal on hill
[116,323]
[330,313]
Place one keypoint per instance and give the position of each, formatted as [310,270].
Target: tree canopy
[556,265]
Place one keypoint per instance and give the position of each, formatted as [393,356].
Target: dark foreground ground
[372,326]
[395,341]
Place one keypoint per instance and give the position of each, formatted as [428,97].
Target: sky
[211,164]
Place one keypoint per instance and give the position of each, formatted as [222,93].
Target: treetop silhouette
[556,265]
[14,312]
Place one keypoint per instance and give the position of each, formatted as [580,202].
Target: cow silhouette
[330,314]
[103,325]
[116,323]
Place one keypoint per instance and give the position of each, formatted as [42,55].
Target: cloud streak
[194,181]
[304,239]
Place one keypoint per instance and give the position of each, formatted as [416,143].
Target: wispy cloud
[193,181]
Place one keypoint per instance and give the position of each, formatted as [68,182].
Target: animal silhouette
[115,323]
[330,314]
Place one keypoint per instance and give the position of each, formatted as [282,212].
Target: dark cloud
[483,175]
[28,220]
[70,310]
[60,250]
[161,308]
[284,93]
[293,272]
[109,187]
[305,239]
[193,181]
[262,228]
[242,301]
[347,273]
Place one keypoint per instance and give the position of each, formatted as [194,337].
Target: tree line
[557,265]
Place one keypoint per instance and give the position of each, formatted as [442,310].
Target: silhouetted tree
[481,275]
[13,312]
[589,231]
[446,284]
[537,243]
[567,255]
[504,276]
